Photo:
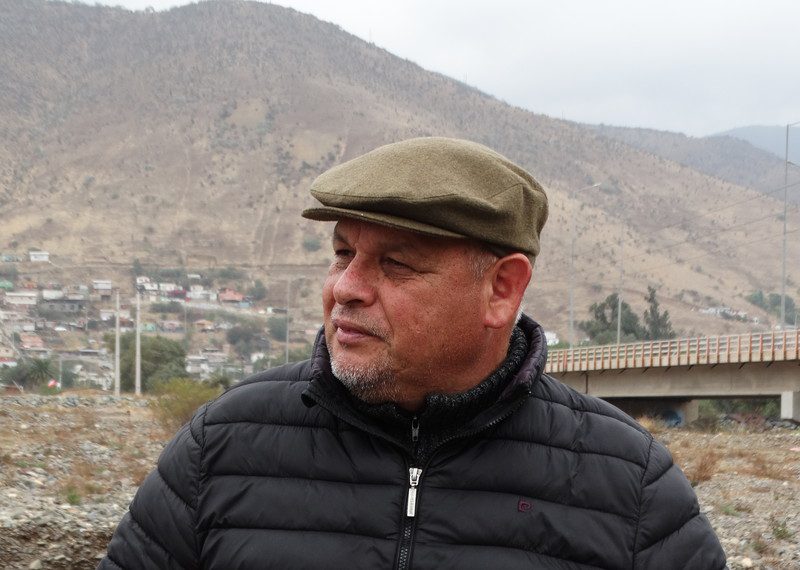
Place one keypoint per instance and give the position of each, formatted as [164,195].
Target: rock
[35,565]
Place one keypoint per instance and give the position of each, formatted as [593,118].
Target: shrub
[177,400]
[704,469]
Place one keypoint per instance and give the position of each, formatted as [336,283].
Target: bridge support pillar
[672,411]
[790,406]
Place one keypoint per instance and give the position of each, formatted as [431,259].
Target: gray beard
[373,383]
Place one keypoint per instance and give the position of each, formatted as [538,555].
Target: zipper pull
[414,474]
[414,429]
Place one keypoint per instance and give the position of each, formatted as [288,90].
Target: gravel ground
[69,466]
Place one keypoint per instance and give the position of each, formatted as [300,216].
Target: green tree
[162,359]
[257,292]
[137,268]
[277,327]
[246,338]
[657,325]
[39,371]
[602,327]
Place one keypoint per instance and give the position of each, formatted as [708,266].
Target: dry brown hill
[724,157]
[190,137]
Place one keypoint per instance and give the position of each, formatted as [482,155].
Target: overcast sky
[697,67]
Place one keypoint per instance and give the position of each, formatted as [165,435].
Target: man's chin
[369,381]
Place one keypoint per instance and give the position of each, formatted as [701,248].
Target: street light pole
[785,196]
[572,269]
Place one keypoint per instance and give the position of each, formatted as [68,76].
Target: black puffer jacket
[544,478]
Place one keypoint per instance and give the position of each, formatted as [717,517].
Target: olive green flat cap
[441,187]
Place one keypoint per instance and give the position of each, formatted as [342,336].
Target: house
[65,305]
[39,256]
[203,325]
[193,276]
[102,285]
[6,285]
[110,314]
[142,279]
[200,293]
[230,296]
[52,294]
[27,298]
[167,287]
[29,341]
[551,338]
[170,326]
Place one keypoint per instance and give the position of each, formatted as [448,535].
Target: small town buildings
[39,256]
[27,298]
[167,287]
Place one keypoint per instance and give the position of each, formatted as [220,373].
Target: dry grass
[765,469]
[651,424]
[82,482]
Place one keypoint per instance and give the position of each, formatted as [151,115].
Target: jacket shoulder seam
[154,540]
[171,490]
[199,482]
[639,507]
[666,536]
[114,562]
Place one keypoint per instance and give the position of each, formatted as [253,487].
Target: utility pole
[116,351]
[288,298]
[785,196]
[619,290]
[138,365]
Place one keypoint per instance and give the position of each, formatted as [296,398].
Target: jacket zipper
[414,475]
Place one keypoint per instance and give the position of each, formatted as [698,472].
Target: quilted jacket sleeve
[159,529]
[671,532]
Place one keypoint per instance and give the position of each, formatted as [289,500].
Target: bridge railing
[757,347]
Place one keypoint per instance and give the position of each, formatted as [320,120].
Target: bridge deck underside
[717,380]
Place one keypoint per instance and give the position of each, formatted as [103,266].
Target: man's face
[403,312]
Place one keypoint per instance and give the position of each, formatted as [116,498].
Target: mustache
[357,318]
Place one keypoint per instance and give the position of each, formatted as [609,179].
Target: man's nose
[355,284]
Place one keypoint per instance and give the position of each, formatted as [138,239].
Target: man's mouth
[349,330]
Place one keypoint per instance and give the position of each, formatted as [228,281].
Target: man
[423,432]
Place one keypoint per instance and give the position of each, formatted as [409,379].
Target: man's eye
[393,263]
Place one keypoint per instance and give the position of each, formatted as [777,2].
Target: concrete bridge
[652,377]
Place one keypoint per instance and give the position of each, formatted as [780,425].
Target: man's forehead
[350,231]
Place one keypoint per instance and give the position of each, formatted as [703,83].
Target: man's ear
[506,282]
